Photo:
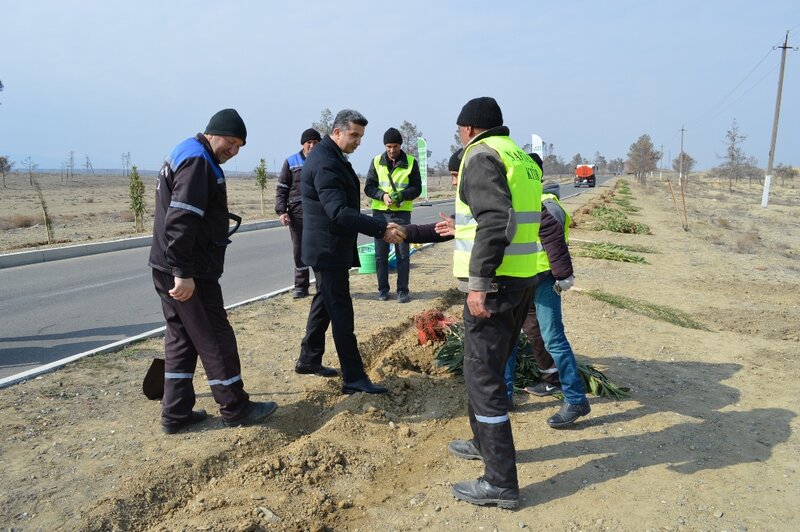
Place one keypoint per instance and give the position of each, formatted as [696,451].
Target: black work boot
[314,369]
[362,385]
[256,413]
[465,449]
[568,414]
[480,492]
[196,417]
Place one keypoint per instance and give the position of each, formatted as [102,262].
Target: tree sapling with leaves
[260,172]
[136,192]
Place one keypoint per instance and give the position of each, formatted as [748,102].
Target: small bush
[716,239]
[723,222]
[747,242]
[607,251]
[616,221]
[18,221]
[624,203]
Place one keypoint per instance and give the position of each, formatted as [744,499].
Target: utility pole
[682,183]
[680,161]
[768,178]
[661,164]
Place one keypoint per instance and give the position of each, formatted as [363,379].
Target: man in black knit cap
[190,235]
[393,181]
[497,254]
[289,207]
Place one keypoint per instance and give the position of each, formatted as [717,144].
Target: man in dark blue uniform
[190,235]
[289,206]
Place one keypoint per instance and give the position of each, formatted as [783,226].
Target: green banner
[422,160]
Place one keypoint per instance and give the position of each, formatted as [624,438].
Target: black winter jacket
[332,217]
[190,232]
[287,192]
[423,233]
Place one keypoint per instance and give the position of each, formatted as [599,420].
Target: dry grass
[95,207]
[18,221]
[747,243]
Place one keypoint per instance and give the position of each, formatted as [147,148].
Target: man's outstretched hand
[445,228]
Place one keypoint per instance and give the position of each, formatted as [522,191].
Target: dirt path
[707,441]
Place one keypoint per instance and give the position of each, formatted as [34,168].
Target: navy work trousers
[198,327]
[301,271]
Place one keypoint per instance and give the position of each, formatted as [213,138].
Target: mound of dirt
[707,440]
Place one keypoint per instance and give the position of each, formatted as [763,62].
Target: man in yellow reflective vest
[393,181]
[496,259]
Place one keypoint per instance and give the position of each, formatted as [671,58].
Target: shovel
[153,384]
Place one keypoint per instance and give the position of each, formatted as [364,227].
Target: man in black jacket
[331,222]
[190,235]
[393,181]
[289,207]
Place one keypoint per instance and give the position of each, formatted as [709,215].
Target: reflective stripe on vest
[399,176]
[524,256]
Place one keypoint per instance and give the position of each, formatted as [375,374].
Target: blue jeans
[548,313]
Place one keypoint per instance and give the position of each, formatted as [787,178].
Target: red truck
[585,175]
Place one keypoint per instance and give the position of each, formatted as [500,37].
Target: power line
[719,103]
[734,102]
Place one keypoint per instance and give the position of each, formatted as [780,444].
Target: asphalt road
[52,310]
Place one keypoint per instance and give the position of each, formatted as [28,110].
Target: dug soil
[707,440]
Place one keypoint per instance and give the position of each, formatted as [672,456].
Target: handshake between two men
[445,229]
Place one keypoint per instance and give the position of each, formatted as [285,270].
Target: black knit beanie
[455,161]
[392,136]
[310,134]
[227,123]
[483,113]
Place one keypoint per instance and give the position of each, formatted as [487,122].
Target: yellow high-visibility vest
[524,257]
[400,177]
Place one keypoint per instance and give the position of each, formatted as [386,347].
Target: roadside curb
[125,342]
[35,256]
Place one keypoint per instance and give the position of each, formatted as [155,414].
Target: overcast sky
[106,77]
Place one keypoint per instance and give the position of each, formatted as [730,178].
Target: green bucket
[366,256]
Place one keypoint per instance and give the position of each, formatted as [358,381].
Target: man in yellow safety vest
[496,259]
[393,181]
